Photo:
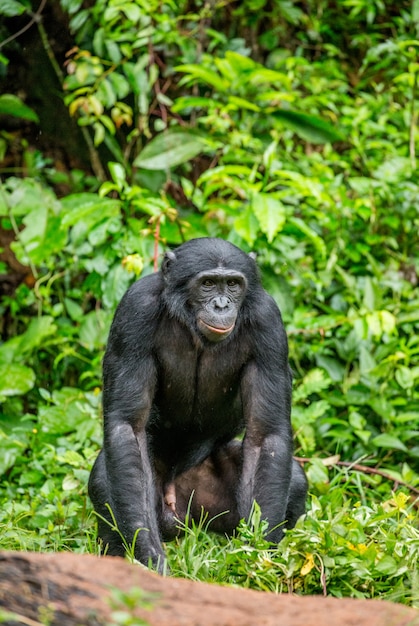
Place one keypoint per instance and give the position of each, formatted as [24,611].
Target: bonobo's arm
[267,446]
[129,388]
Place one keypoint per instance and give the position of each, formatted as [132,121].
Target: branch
[35,18]
[365,470]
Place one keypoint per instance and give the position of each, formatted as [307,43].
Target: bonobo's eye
[208,283]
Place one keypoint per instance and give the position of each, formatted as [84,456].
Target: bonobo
[197,354]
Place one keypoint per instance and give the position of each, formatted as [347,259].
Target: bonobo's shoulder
[266,333]
[140,306]
[144,293]
[136,316]
[264,316]
[264,307]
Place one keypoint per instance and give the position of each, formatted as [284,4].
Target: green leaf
[309,414]
[118,174]
[387,566]
[12,105]
[65,415]
[281,291]
[369,298]
[170,149]
[73,309]
[114,285]
[270,213]
[11,8]
[72,458]
[246,225]
[41,238]
[366,360]
[389,441]
[15,380]
[120,85]
[27,195]
[113,51]
[333,367]
[94,329]
[9,348]
[38,329]
[198,73]
[71,6]
[70,483]
[415,14]
[137,75]
[190,102]
[10,450]
[317,472]
[88,207]
[316,380]
[405,377]
[316,240]
[106,93]
[241,103]
[308,127]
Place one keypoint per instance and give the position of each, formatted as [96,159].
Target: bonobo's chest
[197,379]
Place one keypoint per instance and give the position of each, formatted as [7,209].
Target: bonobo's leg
[99,495]
[297,495]
[212,488]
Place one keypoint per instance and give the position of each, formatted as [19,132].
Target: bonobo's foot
[158,563]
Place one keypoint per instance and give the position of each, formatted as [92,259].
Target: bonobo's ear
[253,255]
[168,259]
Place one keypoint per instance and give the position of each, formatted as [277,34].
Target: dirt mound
[74,590]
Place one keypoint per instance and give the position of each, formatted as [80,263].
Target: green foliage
[124,604]
[169,149]
[11,8]
[340,548]
[44,468]
[297,141]
[12,105]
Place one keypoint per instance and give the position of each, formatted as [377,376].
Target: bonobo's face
[216,296]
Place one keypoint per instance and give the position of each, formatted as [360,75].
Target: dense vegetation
[288,127]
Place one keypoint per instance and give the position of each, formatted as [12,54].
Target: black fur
[196,354]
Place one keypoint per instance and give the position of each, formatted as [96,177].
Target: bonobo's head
[207,282]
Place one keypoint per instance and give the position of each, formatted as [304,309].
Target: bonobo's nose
[221,302]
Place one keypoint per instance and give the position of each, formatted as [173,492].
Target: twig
[35,18]
[94,156]
[322,575]
[156,245]
[366,470]
[50,53]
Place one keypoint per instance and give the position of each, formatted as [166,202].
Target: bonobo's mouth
[215,333]
[218,331]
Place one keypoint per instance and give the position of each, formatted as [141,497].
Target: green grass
[349,544]
[340,548]
[358,538]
